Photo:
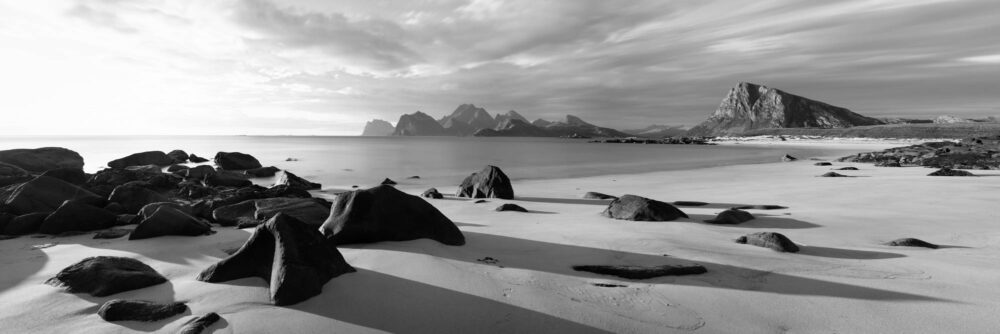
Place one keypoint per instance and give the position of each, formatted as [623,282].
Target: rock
[178,156]
[291,255]
[749,106]
[761,207]
[310,211]
[167,220]
[139,310]
[157,158]
[480,201]
[225,178]
[833,174]
[150,208]
[597,195]
[490,182]
[176,168]
[950,172]
[236,161]
[643,272]
[126,219]
[262,172]
[42,159]
[292,159]
[133,196]
[106,180]
[823,164]
[102,276]
[113,233]
[689,203]
[511,207]
[847,168]
[731,217]
[10,174]
[418,124]
[199,324]
[632,207]
[26,223]
[293,181]
[912,242]
[387,181]
[196,159]
[432,193]
[377,127]
[74,176]
[284,190]
[384,213]
[77,216]
[241,213]
[197,172]
[888,164]
[414,177]
[772,240]
[45,193]
[5,219]
[788,158]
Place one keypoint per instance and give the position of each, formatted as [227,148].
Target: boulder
[102,276]
[42,159]
[912,242]
[74,176]
[731,217]
[10,174]
[225,178]
[632,207]
[199,324]
[384,213]
[950,172]
[126,219]
[847,168]
[643,272]
[139,310]
[134,195]
[823,164]
[290,255]
[250,213]
[236,161]
[167,220]
[597,195]
[176,168]
[284,190]
[5,219]
[150,208]
[833,174]
[293,181]
[432,193]
[788,158]
[25,224]
[511,207]
[178,156]
[156,158]
[262,172]
[196,159]
[486,183]
[150,170]
[77,216]
[197,172]
[241,214]
[772,240]
[389,181]
[45,193]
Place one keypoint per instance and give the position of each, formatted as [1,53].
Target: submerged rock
[236,161]
[384,213]
[286,178]
[139,310]
[289,254]
[772,240]
[833,174]
[632,207]
[102,276]
[597,195]
[950,172]
[157,158]
[199,324]
[197,172]
[511,207]
[432,193]
[643,272]
[262,172]
[490,182]
[911,242]
[731,217]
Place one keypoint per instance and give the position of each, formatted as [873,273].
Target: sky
[314,67]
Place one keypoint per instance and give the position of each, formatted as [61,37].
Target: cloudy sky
[326,67]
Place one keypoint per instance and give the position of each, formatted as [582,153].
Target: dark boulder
[432,193]
[236,161]
[139,310]
[632,207]
[5,219]
[150,208]
[176,168]
[74,176]
[847,168]
[239,214]
[511,207]
[225,178]
[127,219]
[389,181]
[262,172]
[77,216]
[731,217]
[197,172]
[10,174]
[833,174]
[950,172]
[788,158]
[311,211]
[888,163]
[199,324]
[486,183]
[145,169]
[290,255]
[294,181]
[384,213]
[597,195]
[179,156]
[134,195]
[169,221]
[284,190]
[196,159]
[45,193]
[156,158]
[775,241]
[42,159]
[642,272]
[26,223]
[912,242]
[102,276]
[823,164]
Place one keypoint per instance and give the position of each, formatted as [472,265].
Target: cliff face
[377,127]
[418,124]
[749,106]
[510,115]
[469,114]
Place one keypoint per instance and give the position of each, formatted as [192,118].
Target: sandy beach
[514,273]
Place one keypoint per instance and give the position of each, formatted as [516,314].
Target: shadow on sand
[842,253]
[23,262]
[762,221]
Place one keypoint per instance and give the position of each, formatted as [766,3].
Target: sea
[342,162]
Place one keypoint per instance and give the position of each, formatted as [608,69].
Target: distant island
[747,110]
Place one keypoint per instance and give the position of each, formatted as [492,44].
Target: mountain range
[470,120]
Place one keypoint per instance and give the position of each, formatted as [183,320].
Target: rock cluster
[971,153]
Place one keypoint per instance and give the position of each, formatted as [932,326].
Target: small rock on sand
[788,158]
[632,207]
[432,193]
[833,174]
[597,195]
[511,207]
[775,241]
[911,242]
[824,163]
[950,172]
[731,217]
[847,168]
[199,324]
[139,310]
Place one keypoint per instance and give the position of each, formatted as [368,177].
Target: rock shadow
[161,293]
[14,272]
[761,221]
[601,202]
[843,253]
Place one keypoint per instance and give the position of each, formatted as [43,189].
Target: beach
[514,272]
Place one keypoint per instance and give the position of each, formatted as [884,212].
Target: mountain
[513,127]
[658,131]
[541,123]
[418,124]
[572,126]
[750,106]
[377,127]
[469,114]
[509,115]
[455,127]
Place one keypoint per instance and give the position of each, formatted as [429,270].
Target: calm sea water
[339,162]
